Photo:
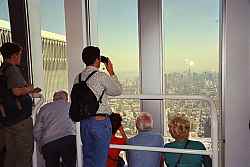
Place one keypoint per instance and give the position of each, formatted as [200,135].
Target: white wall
[75,36]
[249,73]
[236,84]
[151,58]
[35,42]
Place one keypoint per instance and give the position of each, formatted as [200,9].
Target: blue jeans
[95,136]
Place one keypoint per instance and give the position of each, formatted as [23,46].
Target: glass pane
[5,33]
[199,116]
[115,30]
[192,64]
[55,64]
[129,110]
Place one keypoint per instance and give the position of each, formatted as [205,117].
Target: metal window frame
[147,101]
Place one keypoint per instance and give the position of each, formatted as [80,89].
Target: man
[96,130]
[2,145]
[145,137]
[18,125]
[55,132]
[179,128]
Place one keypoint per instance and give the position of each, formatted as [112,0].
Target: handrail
[38,104]
[34,114]
[162,150]
[214,128]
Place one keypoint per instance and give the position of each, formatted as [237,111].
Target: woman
[179,129]
[113,154]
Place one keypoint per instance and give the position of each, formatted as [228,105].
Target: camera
[104,59]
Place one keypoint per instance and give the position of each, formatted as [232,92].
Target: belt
[101,116]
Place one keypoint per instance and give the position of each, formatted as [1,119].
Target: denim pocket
[101,129]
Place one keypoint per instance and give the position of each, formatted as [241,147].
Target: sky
[52,15]
[191,31]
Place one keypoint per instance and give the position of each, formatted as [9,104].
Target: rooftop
[45,34]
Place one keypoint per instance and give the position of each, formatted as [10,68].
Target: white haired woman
[179,128]
[145,137]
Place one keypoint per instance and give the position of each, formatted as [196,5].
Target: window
[192,60]
[55,64]
[5,33]
[114,29]
[129,110]
[116,25]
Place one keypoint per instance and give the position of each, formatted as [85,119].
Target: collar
[92,68]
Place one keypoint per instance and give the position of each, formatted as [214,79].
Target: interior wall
[36,42]
[75,36]
[150,43]
[249,74]
[236,83]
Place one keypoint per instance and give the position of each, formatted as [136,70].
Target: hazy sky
[190,27]
[4,11]
[191,33]
[52,15]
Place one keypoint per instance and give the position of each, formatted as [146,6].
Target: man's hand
[109,68]
[30,88]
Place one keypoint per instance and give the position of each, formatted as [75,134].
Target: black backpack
[3,92]
[84,103]
[15,108]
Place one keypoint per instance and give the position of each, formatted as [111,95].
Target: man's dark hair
[90,54]
[7,49]
[116,122]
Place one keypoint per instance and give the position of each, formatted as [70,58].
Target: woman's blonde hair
[179,126]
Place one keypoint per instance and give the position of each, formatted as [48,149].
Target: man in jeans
[55,132]
[2,145]
[96,130]
[17,128]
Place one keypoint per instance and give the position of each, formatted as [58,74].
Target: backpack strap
[4,68]
[179,158]
[100,99]
[80,76]
[90,75]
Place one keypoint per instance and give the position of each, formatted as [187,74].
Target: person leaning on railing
[55,132]
[179,128]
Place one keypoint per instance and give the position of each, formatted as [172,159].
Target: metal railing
[214,130]
[36,108]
